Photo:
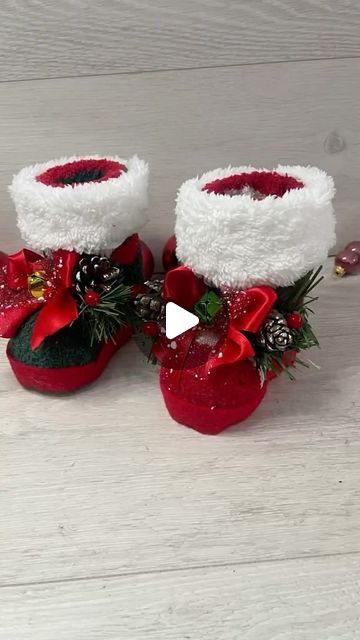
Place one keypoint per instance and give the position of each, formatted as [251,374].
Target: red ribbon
[183,287]
[20,266]
[248,311]
[17,303]
[61,309]
[126,253]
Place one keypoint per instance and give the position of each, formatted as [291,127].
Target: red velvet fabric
[209,403]
[51,380]
[269,183]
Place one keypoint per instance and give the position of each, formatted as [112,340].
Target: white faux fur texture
[92,217]
[240,242]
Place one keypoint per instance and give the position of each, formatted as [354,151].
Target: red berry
[295,320]
[150,329]
[92,298]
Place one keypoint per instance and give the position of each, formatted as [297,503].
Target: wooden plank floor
[117,524]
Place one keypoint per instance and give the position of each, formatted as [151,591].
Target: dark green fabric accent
[70,346]
[83,176]
[66,348]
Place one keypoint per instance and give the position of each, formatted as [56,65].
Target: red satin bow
[17,303]
[248,311]
[20,266]
[61,309]
[183,287]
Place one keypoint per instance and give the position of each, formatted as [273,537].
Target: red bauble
[347,261]
[147,260]
[169,258]
[3,259]
[150,329]
[354,247]
[295,320]
[92,298]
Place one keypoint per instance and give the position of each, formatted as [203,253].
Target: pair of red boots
[248,244]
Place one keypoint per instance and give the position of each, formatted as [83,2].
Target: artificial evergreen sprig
[291,299]
[111,311]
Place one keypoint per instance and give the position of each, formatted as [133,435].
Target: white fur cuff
[238,241]
[89,204]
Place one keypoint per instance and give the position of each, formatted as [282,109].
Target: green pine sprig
[290,299]
[113,311]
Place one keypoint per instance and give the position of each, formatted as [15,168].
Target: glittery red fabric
[210,403]
[268,183]
[81,172]
[67,379]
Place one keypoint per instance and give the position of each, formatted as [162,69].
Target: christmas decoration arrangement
[347,262]
[66,302]
[249,244]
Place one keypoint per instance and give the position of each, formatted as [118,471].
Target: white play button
[178,320]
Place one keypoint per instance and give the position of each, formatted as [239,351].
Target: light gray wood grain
[42,38]
[103,482]
[184,123]
[292,600]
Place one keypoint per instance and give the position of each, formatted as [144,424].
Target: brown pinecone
[150,304]
[275,335]
[94,272]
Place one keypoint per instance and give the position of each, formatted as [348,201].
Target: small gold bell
[37,284]
[339,271]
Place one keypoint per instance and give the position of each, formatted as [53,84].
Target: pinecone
[150,305]
[94,272]
[275,335]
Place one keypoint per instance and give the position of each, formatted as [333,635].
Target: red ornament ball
[147,260]
[295,320]
[150,329]
[92,298]
[169,258]
[347,262]
[354,247]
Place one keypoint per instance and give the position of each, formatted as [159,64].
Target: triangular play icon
[178,320]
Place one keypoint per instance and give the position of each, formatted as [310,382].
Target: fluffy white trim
[240,242]
[91,217]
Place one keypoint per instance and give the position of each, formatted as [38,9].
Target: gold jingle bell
[339,271]
[37,284]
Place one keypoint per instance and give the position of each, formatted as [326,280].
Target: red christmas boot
[66,303]
[249,243]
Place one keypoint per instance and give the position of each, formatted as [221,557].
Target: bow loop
[19,267]
[183,287]
[248,311]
